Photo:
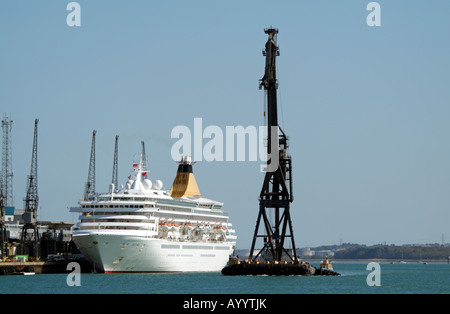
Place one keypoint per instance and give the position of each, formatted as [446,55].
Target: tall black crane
[30,240]
[276,193]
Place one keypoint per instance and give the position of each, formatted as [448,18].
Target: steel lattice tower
[90,184]
[30,240]
[115,179]
[6,179]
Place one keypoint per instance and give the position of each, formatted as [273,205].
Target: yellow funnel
[185,183]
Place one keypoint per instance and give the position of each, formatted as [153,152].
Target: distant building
[18,213]
[324,253]
[307,252]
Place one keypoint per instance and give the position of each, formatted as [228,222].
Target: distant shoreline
[378,260]
[349,252]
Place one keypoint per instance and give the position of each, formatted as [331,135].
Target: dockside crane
[90,184]
[30,240]
[276,193]
[6,177]
[115,178]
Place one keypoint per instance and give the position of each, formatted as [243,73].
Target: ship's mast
[276,193]
[143,157]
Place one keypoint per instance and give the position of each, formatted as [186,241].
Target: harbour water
[410,278]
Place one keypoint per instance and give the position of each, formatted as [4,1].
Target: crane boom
[90,184]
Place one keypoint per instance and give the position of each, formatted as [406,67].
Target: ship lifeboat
[164,226]
[174,227]
[188,226]
[219,229]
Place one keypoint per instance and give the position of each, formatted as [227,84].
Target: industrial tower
[276,193]
[90,184]
[30,240]
[6,178]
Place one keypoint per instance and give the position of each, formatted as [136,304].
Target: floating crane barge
[276,194]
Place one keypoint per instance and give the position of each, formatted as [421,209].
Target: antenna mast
[90,184]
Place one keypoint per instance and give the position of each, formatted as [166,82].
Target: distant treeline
[393,252]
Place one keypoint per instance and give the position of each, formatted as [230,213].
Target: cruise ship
[142,228]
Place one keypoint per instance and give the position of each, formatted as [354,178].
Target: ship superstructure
[140,227]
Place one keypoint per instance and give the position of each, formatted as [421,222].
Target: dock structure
[23,238]
[55,238]
[42,267]
[56,250]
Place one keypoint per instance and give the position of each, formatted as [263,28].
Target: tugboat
[326,264]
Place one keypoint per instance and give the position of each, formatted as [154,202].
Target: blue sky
[366,108]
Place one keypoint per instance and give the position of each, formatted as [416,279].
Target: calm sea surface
[395,278]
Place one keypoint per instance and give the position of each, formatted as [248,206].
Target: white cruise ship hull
[120,253]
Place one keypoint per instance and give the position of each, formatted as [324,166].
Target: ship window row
[163,207]
[210,206]
[122,198]
[205,205]
[194,247]
[176,202]
[191,217]
[170,210]
[118,206]
[118,220]
[116,228]
[103,213]
[194,210]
